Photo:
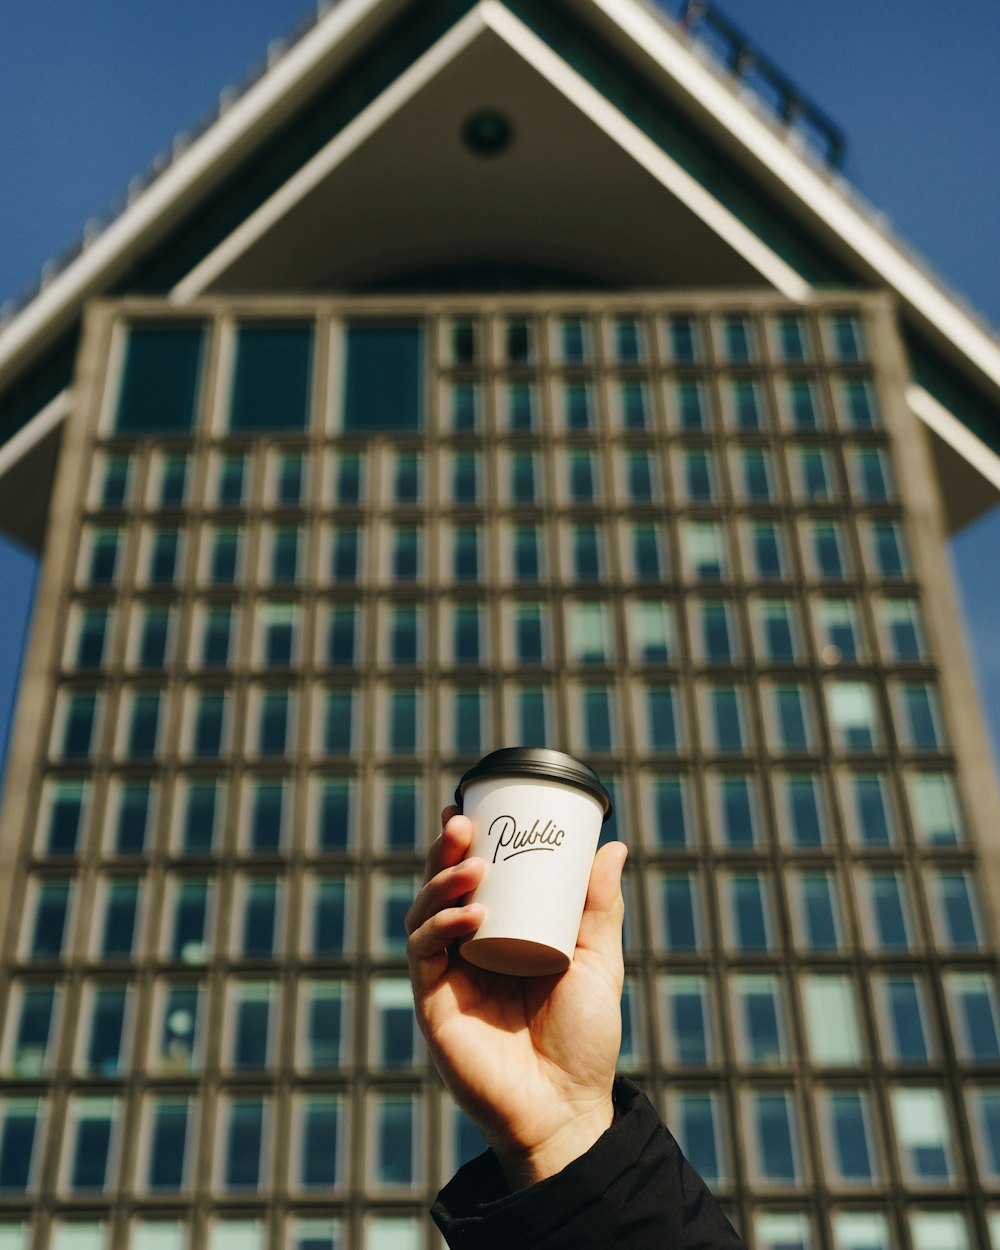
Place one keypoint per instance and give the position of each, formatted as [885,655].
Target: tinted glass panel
[383,388]
[160,376]
[273,378]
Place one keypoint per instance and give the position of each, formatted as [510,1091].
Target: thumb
[604,910]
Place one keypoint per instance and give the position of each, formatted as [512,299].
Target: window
[526,554]
[816,911]
[923,1135]
[578,406]
[689,400]
[64,810]
[169,1124]
[345,553]
[466,406]
[334,808]
[173,481]
[859,404]
[846,340]
[766,559]
[747,909]
[266,824]
[105,547]
[284,564]
[531,718]
[901,629]
[889,916]
[253,1020]
[91,637]
[229,1234]
[523,476]
[918,718]
[290,472]
[328,917]
[244,1161]
[587,553]
[597,723]
[939,1230]
[394,1151]
[530,633]
[225,556]
[755,475]
[802,809]
[519,340]
[466,559]
[668,807]
[783,1230]
[686,1021]
[649,562]
[793,338]
[860,1230]
[662,720]
[589,636]
[678,911]
[683,339]
[699,475]
[633,405]
[275,722]
[839,630]
[405,633]
[869,810]
[91,1144]
[79,1235]
[231,479]
[629,340]
[115,481]
[468,719]
[573,340]
[217,630]
[759,1020]
[955,909]
[651,631]
[984,1112]
[465,473]
[725,724]
[403,823]
[847,1130]
[466,634]
[160,378]
[132,817]
[277,634]
[257,920]
[403,733]
[52,899]
[826,550]
[142,725]
[103,1034]
[164,557]
[394,1039]
[704,548]
[803,404]
[349,472]
[31,1012]
[737,338]
[887,550]
[117,935]
[407,542]
[187,918]
[78,724]
[324,1025]
[21,1122]
[791,720]
[871,476]
[392,897]
[407,478]
[746,406]
[902,1014]
[272,378]
[521,406]
[319,1146]
[975,1022]
[208,724]
[776,630]
[342,634]
[464,341]
[812,475]
[772,1137]
[853,718]
[735,810]
[178,1028]
[935,809]
[157,1234]
[582,476]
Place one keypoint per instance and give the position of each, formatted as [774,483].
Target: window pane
[383,387]
[832,1028]
[735,810]
[669,803]
[168,1145]
[20,1133]
[92,1123]
[272,377]
[160,378]
[871,809]
[902,1015]
[66,806]
[747,905]
[245,1135]
[326,1019]
[334,814]
[955,910]
[972,1005]
[923,1135]
[104,1040]
[395,1125]
[52,904]
[804,809]
[679,913]
[773,1137]
[320,1153]
[687,1016]
[759,1020]
[30,1013]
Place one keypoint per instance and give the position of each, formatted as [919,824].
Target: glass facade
[672,536]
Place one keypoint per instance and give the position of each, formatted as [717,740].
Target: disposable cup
[536,817]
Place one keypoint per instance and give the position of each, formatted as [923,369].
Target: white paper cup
[536,818]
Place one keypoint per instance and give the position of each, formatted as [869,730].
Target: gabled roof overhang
[673,118]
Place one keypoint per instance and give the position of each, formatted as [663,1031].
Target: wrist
[527,1165]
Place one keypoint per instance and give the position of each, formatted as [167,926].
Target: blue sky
[89,93]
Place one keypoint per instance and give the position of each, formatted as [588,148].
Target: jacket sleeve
[633,1190]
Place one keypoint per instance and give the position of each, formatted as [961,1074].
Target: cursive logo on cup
[507,834]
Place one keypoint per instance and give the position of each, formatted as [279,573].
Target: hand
[530,1059]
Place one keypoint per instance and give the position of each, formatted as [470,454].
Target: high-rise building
[494,373]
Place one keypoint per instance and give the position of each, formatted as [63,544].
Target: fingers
[451,846]
[444,889]
[604,910]
[436,934]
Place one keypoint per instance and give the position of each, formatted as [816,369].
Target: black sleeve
[633,1190]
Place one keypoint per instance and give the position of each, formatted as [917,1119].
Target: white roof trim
[955,433]
[236,129]
[493,15]
[30,435]
[813,190]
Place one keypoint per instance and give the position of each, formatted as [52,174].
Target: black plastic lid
[541,763]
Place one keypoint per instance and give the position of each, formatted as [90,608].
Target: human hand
[530,1059]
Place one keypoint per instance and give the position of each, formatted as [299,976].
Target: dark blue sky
[89,93]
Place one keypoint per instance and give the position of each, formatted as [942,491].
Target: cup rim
[540,763]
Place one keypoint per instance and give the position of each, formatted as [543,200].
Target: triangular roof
[639,162]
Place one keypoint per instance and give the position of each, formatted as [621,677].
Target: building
[365,440]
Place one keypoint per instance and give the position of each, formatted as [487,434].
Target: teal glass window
[679,913]
[748,905]
[464,341]
[189,927]
[872,810]
[758,1012]
[407,477]
[267,816]
[634,405]
[116,480]
[94,1124]
[345,555]
[91,638]
[286,555]
[465,407]
[670,806]
[646,554]
[818,902]
[704,547]
[224,560]
[209,724]
[519,339]
[272,378]
[523,476]
[533,716]
[232,479]
[639,476]
[329,917]
[105,550]
[747,406]
[200,815]
[104,1051]
[850,1146]
[260,918]
[839,627]
[342,636]
[275,723]
[245,1138]
[349,477]
[164,557]
[291,478]
[923,1136]
[582,476]
[173,481]
[804,809]
[324,1029]
[688,1012]
[758,475]
[33,1029]
[954,897]
[903,1018]
[775,621]
[815,480]
[154,637]
[828,550]
[727,719]
[335,814]
[935,809]
[588,562]
[973,1009]
[467,721]
[529,633]
[521,406]
[767,551]
[651,631]
[402,816]
[691,408]
[384,377]
[121,911]
[404,720]
[872,476]
[889,550]
[853,715]
[888,901]
[736,805]
[405,628]
[699,475]
[465,477]
[846,338]
[717,642]
[79,725]
[573,340]
[683,339]
[170,1131]
[793,339]
[629,340]
[737,339]
[860,404]
[466,546]
[773,1135]
[698,1121]
[132,819]
[406,551]
[51,916]
[597,718]
[467,634]
[792,722]
[66,807]
[320,1164]
[144,725]
[338,724]
[578,405]
[803,404]
[589,637]
[921,728]
[663,719]
[217,635]
[902,629]
[252,1026]
[527,553]
[160,381]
